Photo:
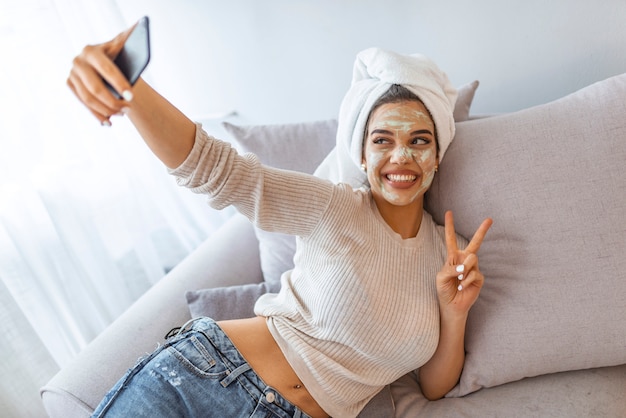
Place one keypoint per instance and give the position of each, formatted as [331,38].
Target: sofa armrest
[80,386]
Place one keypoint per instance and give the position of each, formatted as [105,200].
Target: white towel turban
[375,70]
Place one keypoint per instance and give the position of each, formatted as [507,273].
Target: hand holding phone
[134,56]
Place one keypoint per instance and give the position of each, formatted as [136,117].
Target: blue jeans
[197,373]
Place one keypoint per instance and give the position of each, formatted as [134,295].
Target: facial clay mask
[400,151]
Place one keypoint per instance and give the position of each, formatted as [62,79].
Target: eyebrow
[388,132]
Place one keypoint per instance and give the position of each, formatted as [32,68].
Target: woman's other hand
[94,63]
[459,281]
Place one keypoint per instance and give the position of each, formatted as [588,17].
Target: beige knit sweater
[359,310]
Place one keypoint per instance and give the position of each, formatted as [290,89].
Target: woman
[377,290]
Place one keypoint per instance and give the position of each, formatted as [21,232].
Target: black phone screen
[134,57]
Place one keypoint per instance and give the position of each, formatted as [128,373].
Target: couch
[547,337]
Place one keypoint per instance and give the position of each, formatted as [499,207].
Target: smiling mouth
[401,178]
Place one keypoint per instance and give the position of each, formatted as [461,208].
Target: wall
[282,61]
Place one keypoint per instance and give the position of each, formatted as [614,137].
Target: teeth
[401,177]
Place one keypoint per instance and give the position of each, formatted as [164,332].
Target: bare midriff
[257,345]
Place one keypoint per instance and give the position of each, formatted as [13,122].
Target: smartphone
[135,54]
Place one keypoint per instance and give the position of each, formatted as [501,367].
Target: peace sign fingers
[476,241]
[459,281]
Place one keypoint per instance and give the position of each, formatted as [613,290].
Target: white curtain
[89,219]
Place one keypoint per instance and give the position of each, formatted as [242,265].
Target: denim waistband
[239,368]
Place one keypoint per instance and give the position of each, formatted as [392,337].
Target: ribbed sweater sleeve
[273,199]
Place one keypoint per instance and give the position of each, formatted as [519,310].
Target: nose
[401,155]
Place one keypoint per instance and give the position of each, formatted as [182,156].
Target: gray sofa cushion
[553,177]
[230,302]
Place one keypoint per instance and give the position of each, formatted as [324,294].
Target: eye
[420,141]
[380,140]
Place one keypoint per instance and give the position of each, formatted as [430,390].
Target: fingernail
[106,123]
[125,110]
[127,95]
[460,268]
[460,287]
[460,277]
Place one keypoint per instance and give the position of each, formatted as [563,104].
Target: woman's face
[400,152]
